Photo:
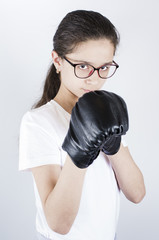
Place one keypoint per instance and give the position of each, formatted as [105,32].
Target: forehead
[101,50]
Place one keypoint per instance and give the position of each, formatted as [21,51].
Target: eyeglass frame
[107,64]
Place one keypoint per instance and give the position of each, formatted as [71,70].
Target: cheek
[66,76]
[69,79]
[101,84]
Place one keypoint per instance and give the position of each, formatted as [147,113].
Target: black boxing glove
[97,122]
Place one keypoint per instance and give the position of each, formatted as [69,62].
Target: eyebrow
[80,61]
[89,63]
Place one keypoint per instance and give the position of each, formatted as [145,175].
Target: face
[93,52]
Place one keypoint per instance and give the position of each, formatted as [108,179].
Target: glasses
[84,70]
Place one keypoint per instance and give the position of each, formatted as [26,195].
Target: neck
[66,99]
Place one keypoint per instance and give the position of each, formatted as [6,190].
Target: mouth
[86,90]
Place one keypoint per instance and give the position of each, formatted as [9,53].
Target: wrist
[112,145]
[70,164]
[117,154]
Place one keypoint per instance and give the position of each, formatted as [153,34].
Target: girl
[78,168]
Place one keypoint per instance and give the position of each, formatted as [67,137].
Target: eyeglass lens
[84,71]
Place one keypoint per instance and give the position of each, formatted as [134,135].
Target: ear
[56,60]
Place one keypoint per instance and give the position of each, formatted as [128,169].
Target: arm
[128,175]
[60,193]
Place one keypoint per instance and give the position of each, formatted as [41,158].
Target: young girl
[71,140]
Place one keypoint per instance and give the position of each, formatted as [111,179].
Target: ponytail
[51,87]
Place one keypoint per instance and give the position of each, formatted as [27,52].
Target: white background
[26,32]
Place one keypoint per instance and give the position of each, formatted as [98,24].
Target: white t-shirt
[41,136]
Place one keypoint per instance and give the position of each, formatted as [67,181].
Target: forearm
[129,177]
[62,204]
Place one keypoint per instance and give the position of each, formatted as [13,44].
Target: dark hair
[76,27]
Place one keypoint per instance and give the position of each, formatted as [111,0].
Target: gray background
[26,31]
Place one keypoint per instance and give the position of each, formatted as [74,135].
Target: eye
[83,66]
[105,68]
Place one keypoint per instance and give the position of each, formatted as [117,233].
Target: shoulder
[50,118]
[44,115]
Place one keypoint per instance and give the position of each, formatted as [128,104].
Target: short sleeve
[37,144]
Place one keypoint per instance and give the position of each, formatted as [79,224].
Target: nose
[93,79]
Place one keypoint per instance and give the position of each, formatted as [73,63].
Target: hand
[97,122]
